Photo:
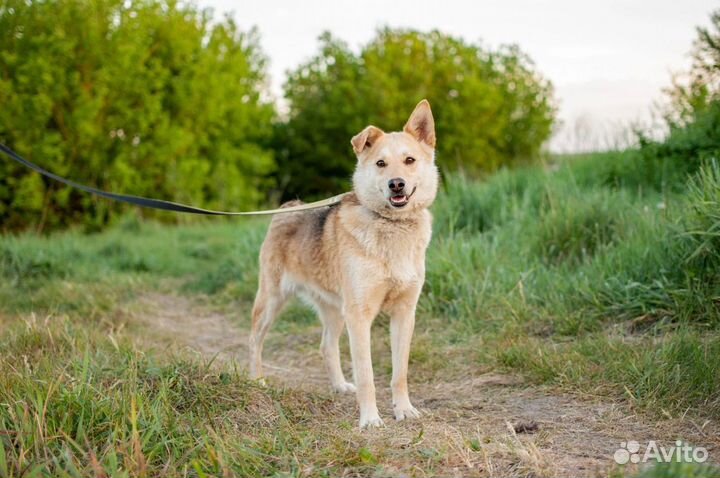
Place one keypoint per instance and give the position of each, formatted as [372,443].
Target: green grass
[630,275]
[575,273]
[675,371]
[678,470]
[63,272]
[82,404]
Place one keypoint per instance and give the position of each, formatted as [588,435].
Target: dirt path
[469,419]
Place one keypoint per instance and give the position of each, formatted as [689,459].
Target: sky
[608,60]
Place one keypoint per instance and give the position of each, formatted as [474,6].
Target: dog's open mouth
[401,200]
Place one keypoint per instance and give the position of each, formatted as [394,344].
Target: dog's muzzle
[398,198]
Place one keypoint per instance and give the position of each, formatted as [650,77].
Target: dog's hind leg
[268,304]
[333,326]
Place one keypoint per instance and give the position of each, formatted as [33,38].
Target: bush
[148,98]
[692,116]
[492,108]
[666,164]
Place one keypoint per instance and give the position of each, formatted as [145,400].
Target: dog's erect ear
[421,124]
[366,138]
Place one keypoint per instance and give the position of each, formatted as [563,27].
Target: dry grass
[469,413]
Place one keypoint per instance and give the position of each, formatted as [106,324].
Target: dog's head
[396,173]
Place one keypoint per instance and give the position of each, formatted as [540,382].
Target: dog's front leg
[359,321]
[402,324]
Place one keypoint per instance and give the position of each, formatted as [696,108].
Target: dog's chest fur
[392,250]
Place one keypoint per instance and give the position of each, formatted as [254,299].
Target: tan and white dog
[358,258]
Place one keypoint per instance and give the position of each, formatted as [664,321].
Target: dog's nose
[396,185]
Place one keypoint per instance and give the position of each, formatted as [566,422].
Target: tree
[143,97]
[692,117]
[491,107]
[694,90]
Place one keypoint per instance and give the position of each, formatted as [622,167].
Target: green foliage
[149,98]
[666,164]
[492,108]
[692,117]
[696,89]
[154,98]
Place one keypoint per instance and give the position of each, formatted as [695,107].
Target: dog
[358,258]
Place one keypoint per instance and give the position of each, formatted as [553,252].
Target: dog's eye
[381,163]
[409,160]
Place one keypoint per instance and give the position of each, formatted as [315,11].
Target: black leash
[159,203]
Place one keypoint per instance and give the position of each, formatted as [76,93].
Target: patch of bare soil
[474,423]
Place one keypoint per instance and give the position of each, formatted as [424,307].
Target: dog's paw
[406,412]
[371,421]
[345,387]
